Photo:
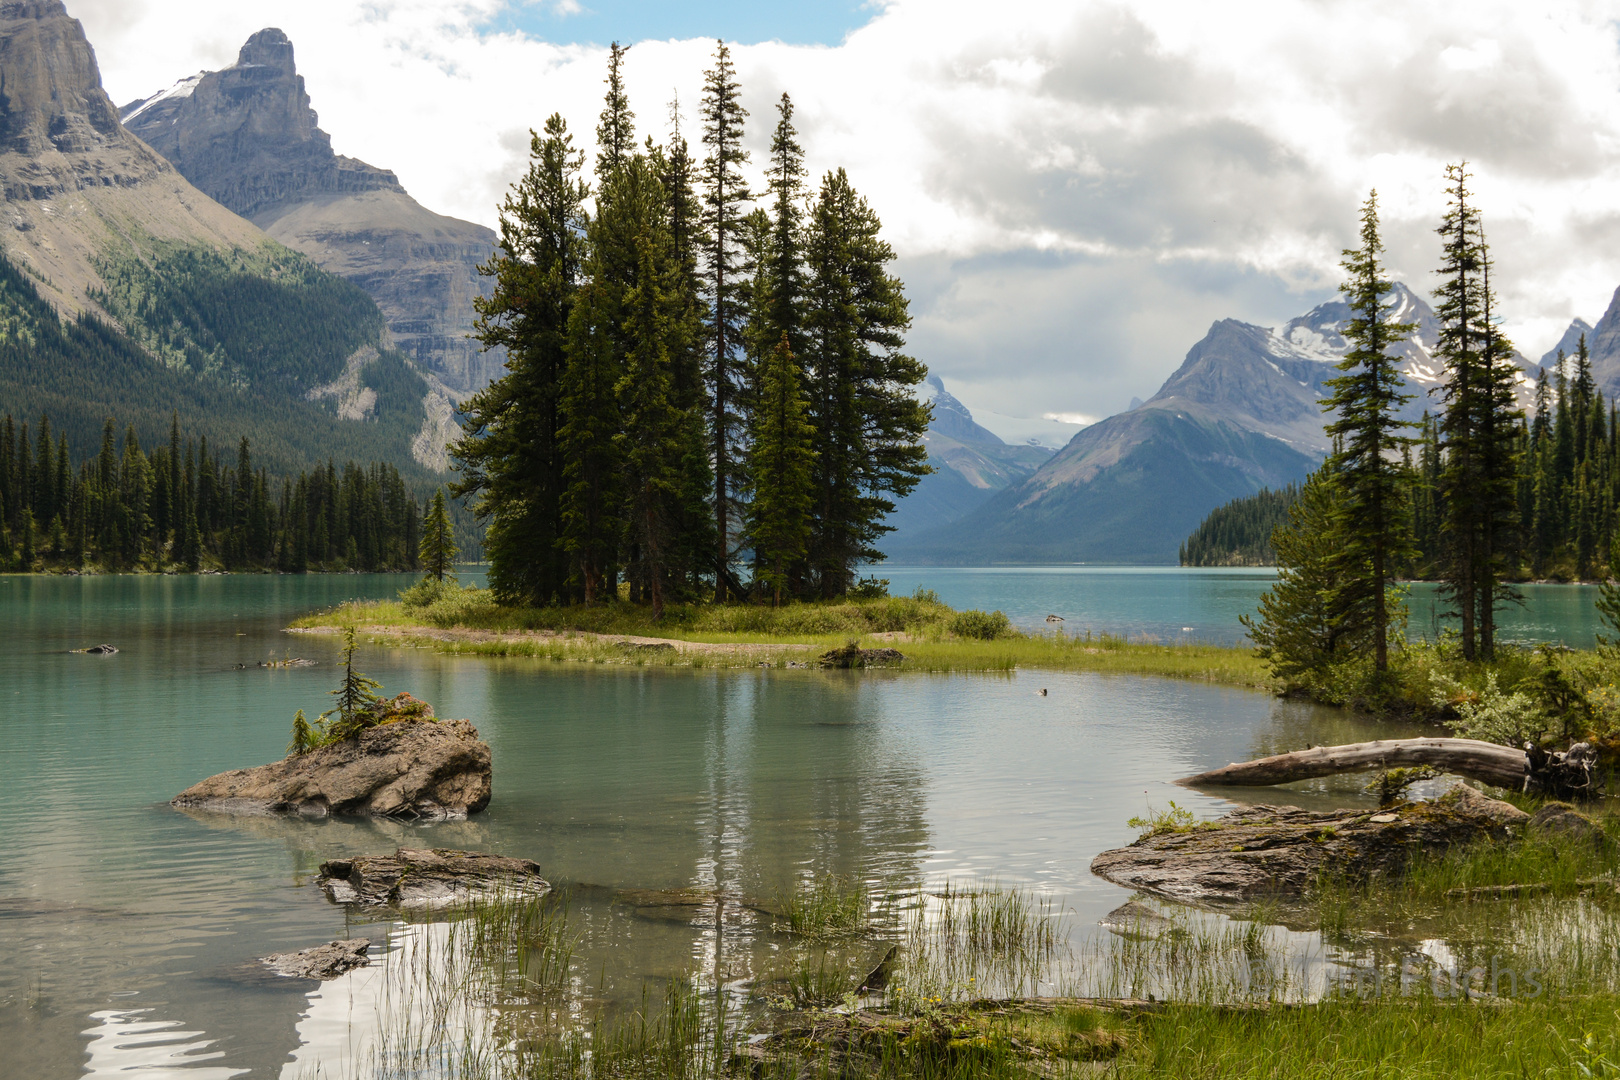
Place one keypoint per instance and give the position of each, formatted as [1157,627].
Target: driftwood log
[1565,773]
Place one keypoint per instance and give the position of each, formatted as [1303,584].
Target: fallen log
[1489,763]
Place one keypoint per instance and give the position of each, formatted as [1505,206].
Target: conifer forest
[1476,496]
[707,393]
[189,506]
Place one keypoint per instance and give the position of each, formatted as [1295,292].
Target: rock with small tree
[384,757]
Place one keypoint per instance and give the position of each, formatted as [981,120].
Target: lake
[128,930]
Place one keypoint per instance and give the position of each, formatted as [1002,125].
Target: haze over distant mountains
[248,137]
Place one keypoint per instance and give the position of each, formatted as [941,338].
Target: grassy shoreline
[748,636]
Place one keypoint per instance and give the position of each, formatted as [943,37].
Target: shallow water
[128,930]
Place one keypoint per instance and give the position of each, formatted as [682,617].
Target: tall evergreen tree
[724,192]
[592,504]
[869,424]
[438,550]
[784,299]
[781,463]
[616,128]
[1461,313]
[1367,434]
[511,457]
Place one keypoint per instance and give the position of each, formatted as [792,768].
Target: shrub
[870,588]
[983,625]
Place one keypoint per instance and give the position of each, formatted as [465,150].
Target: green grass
[468,622]
[827,907]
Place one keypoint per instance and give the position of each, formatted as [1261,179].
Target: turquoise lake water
[129,931]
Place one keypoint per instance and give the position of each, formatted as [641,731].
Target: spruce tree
[724,192]
[355,695]
[868,421]
[511,457]
[592,502]
[1499,425]
[616,128]
[1367,433]
[438,550]
[1310,617]
[1461,313]
[781,460]
[784,278]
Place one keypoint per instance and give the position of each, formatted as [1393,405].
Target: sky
[1074,191]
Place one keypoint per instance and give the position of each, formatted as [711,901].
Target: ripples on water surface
[128,930]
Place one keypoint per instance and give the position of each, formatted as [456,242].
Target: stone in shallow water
[1562,818]
[428,878]
[409,768]
[1281,850]
[323,961]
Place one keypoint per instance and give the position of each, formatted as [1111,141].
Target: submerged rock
[853,656]
[1282,850]
[99,650]
[1131,919]
[323,961]
[423,878]
[411,768]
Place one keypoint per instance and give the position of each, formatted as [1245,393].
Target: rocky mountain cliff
[126,291]
[248,137]
[75,182]
[1241,413]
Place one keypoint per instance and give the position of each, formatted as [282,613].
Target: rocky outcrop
[415,768]
[1260,851]
[422,878]
[72,179]
[248,137]
[323,961]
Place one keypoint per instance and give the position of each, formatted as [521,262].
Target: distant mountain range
[1241,413]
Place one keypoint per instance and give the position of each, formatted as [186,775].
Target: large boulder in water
[412,768]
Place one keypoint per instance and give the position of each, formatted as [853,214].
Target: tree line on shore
[1372,513]
[703,397]
[1567,487]
[184,506]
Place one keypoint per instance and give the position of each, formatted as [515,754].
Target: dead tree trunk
[1489,763]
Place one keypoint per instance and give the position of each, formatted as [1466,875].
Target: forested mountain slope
[128,292]
[248,137]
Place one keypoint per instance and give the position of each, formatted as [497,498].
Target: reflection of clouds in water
[412,1013]
[124,1044]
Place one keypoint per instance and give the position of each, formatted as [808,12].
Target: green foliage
[1239,533]
[827,907]
[780,462]
[646,432]
[438,549]
[876,588]
[182,506]
[356,697]
[1311,617]
[267,317]
[1172,819]
[982,625]
[510,458]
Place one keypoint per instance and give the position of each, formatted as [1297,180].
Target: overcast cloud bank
[1075,190]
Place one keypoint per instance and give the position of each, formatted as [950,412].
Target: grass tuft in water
[828,907]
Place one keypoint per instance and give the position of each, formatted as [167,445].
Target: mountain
[1569,342]
[126,291]
[970,465]
[248,137]
[1241,413]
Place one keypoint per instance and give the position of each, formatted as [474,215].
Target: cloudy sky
[1075,190]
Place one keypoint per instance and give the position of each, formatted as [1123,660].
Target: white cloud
[1076,190]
